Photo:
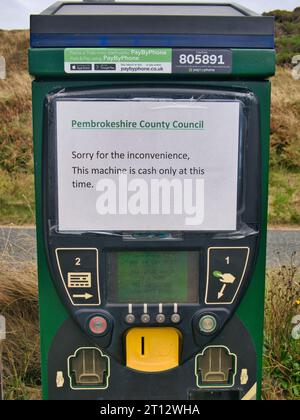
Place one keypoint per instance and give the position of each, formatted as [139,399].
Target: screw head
[207,324]
[160,318]
[175,318]
[130,318]
[145,318]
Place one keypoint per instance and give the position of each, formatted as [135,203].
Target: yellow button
[152,349]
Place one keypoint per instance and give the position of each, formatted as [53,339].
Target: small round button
[130,318]
[98,325]
[145,318]
[207,324]
[160,318]
[175,318]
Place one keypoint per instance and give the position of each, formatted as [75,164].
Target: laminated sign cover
[147,165]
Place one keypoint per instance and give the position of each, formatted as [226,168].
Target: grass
[284,203]
[16,198]
[19,304]
[282,352]
[16,161]
[285,133]
[15,105]
[284,208]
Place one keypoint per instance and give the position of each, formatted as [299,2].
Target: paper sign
[147,165]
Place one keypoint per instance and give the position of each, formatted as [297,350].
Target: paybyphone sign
[147,165]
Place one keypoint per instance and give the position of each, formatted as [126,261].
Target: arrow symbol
[85,296]
[221,293]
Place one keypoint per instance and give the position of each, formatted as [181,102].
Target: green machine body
[151,142]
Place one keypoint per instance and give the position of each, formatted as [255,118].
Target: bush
[287,29]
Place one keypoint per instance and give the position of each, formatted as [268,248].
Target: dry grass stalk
[19,303]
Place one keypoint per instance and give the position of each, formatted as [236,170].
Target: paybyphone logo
[155,197]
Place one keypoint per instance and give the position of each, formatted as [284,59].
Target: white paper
[178,164]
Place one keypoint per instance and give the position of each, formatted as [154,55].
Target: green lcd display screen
[153,277]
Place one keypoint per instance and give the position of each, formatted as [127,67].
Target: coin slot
[143,346]
[152,349]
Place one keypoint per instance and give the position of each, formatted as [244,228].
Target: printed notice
[147,165]
[147,60]
[118,60]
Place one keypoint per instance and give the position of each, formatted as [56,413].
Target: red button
[98,325]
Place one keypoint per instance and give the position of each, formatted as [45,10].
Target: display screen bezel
[115,280]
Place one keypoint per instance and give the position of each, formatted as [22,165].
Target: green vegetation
[16,162]
[282,352]
[16,198]
[284,207]
[285,150]
[287,34]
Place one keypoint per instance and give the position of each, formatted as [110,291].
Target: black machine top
[98,24]
[148,9]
